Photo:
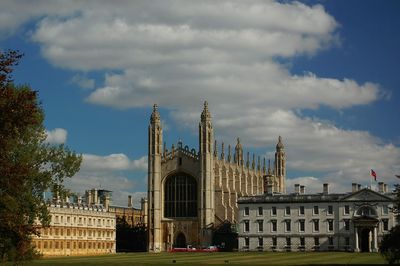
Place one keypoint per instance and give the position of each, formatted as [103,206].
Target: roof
[319,197]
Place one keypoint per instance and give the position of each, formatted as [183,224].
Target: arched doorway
[180,241]
[365,240]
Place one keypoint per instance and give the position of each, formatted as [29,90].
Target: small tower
[154,181]
[206,139]
[280,166]
[238,153]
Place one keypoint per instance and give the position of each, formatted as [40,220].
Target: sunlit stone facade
[190,192]
[354,221]
[77,229]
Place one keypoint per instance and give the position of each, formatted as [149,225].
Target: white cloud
[120,185]
[180,53]
[56,136]
[112,162]
[112,172]
[83,81]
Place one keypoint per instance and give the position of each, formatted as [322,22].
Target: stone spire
[280,166]
[222,151]
[269,167]
[239,153]
[205,115]
[279,145]
[155,115]
[229,153]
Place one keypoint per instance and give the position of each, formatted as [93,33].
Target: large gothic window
[180,197]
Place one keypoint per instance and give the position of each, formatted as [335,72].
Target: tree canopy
[390,244]
[29,165]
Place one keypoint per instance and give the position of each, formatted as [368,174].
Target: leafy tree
[390,245]
[130,238]
[28,165]
[225,237]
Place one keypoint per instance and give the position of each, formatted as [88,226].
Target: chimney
[385,188]
[302,189]
[381,187]
[88,197]
[129,201]
[79,200]
[326,188]
[94,195]
[106,201]
[297,188]
[353,187]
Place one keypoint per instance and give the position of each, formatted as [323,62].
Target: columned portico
[366,238]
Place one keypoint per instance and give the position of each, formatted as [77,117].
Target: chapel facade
[190,192]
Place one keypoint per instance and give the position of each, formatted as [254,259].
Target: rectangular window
[302,241]
[316,241]
[316,225]
[287,210]
[288,242]
[274,227]
[330,225]
[301,225]
[260,225]
[330,210]
[273,211]
[347,224]
[347,241]
[288,225]
[315,210]
[346,209]
[246,242]
[385,209]
[246,226]
[330,241]
[385,224]
[260,211]
[274,241]
[301,210]
[246,211]
[260,242]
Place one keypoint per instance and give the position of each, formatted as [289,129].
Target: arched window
[180,196]
[366,211]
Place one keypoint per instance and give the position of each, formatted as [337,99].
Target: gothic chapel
[190,192]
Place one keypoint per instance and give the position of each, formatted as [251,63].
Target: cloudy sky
[322,74]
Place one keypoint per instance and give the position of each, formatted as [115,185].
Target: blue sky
[323,74]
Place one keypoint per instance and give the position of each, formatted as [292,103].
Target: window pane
[180,197]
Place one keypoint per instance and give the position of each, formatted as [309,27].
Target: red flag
[373,174]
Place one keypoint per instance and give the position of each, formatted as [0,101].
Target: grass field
[221,258]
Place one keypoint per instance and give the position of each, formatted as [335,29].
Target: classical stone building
[133,216]
[353,221]
[77,229]
[190,192]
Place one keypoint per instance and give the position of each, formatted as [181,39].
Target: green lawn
[221,258]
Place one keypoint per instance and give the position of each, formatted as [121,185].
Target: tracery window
[180,197]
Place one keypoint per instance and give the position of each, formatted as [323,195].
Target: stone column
[357,249]
[375,243]
[369,240]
